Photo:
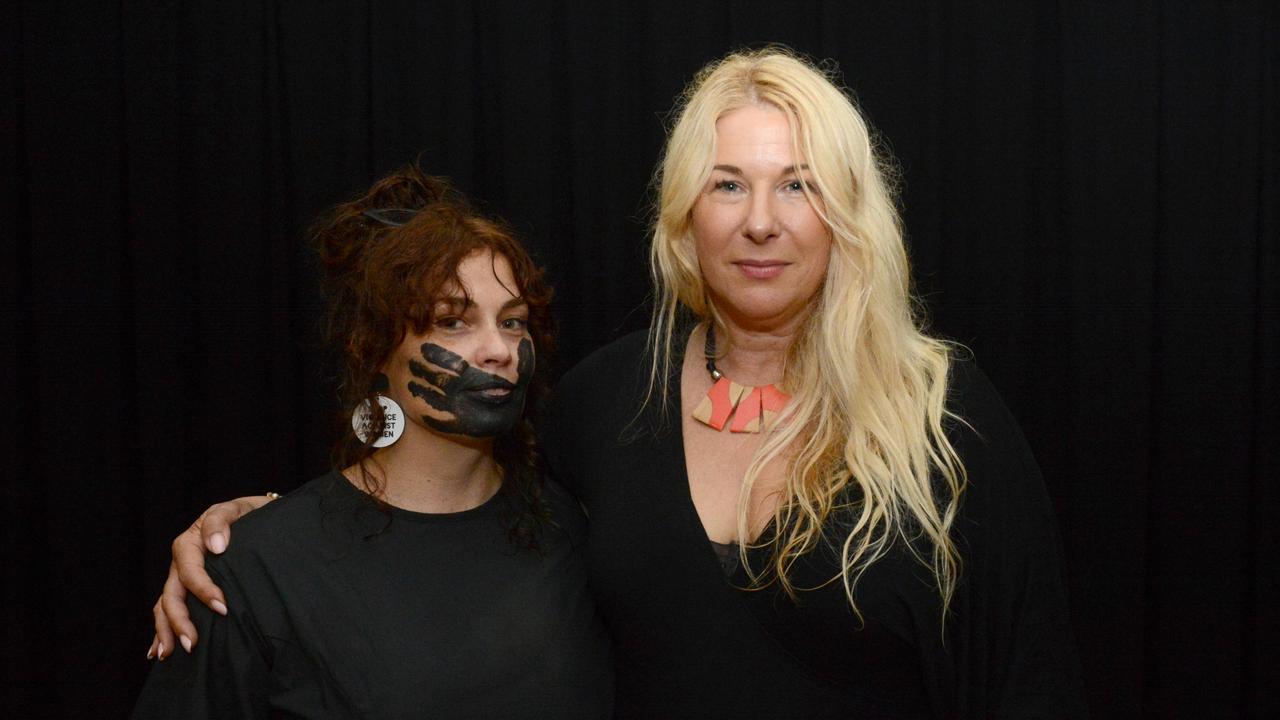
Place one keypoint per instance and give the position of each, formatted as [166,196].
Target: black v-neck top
[690,642]
[341,609]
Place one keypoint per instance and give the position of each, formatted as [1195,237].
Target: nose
[495,351]
[761,224]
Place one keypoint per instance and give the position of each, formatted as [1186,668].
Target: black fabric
[728,555]
[1090,191]
[689,643]
[340,609]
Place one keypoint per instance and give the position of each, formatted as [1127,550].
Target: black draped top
[689,641]
[341,609]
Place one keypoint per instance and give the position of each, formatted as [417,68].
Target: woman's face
[762,248]
[468,374]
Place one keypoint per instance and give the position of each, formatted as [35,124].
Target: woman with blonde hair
[801,505]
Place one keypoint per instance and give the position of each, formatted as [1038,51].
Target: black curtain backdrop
[1090,195]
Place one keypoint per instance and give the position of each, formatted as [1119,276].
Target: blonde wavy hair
[863,434]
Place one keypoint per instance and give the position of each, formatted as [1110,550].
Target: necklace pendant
[753,408]
[718,405]
[772,401]
[746,418]
[759,409]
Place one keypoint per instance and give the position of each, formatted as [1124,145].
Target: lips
[761,269]
[494,391]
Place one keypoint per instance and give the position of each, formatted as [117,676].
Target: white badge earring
[392,427]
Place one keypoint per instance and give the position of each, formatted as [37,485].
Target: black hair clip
[391,217]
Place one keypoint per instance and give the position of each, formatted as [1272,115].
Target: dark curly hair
[382,281]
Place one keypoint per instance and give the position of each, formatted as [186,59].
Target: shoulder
[566,511]
[1004,491]
[592,406]
[601,391]
[293,512]
[970,394]
[978,419]
[288,529]
[622,360]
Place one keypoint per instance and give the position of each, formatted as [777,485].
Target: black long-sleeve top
[341,609]
[689,643]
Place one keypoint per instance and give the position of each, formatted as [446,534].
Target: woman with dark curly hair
[434,569]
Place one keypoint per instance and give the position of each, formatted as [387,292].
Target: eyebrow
[788,170]
[458,301]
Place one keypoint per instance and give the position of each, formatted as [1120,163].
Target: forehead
[483,277]
[755,132]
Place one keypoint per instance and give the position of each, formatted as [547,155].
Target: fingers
[162,644]
[172,621]
[433,397]
[442,357]
[187,573]
[215,523]
[172,617]
[436,378]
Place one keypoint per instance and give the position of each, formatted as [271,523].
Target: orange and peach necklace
[752,408]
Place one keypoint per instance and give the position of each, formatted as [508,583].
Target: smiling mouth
[761,269]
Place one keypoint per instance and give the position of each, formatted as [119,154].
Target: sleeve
[1016,653]
[225,676]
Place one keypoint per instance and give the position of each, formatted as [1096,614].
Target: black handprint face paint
[479,404]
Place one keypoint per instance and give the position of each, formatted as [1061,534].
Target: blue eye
[799,186]
[726,185]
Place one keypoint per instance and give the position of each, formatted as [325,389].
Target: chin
[757,304]
[757,310]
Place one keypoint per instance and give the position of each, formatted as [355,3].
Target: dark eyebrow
[458,302]
[455,302]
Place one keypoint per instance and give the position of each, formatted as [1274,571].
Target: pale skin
[763,250]
[463,474]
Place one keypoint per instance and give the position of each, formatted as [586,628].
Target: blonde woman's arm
[212,532]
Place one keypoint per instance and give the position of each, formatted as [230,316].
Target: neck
[754,354]
[430,473]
